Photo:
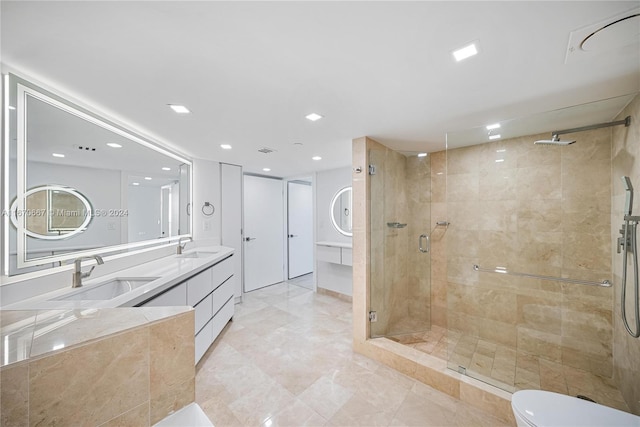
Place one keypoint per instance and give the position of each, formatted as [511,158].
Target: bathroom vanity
[203,279]
[334,267]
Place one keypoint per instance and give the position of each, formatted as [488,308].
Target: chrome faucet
[181,246]
[78,275]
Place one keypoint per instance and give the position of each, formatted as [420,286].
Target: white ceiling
[251,71]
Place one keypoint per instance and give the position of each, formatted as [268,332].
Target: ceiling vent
[610,35]
[84,148]
[266,150]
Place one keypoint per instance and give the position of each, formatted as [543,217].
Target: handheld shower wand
[629,189]
[630,245]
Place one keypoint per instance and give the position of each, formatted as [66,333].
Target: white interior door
[263,232]
[300,228]
[231,218]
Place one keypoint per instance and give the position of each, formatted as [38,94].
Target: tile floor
[513,370]
[286,360]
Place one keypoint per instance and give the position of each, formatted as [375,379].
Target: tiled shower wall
[541,210]
[626,349]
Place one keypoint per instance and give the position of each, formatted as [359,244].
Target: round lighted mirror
[341,217]
[51,212]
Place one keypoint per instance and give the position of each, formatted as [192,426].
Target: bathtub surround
[124,366]
[626,349]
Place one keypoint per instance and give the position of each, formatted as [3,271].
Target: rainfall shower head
[555,140]
[555,135]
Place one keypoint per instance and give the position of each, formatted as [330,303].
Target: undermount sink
[197,254]
[107,290]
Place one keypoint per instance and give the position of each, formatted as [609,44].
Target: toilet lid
[544,408]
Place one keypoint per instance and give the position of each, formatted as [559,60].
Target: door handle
[292,235]
[248,239]
[427,247]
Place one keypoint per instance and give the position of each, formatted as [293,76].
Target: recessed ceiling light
[148,178]
[166,169]
[422,154]
[266,169]
[135,183]
[11,107]
[225,146]
[317,158]
[499,160]
[497,136]
[57,155]
[313,116]
[502,150]
[465,52]
[493,126]
[180,109]
[114,145]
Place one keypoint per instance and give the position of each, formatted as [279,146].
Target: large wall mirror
[77,184]
[341,217]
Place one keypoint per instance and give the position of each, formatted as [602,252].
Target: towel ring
[208,209]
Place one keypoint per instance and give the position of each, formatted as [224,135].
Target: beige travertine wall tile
[499,406]
[172,399]
[539,182]
[138,416]
[94,383]
[542,343]
[540,313]
[14,395]
[171,350]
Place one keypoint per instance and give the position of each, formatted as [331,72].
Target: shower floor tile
[512,370]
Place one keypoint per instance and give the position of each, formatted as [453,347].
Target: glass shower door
[400,207]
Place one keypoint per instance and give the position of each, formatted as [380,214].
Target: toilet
[538,408]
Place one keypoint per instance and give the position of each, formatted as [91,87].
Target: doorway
[299,228]
[263,232]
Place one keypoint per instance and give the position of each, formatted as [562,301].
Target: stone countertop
[30,334]
[335,244]
[167,271]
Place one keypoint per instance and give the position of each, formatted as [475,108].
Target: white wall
[328,183]
[206,188]
[334,277]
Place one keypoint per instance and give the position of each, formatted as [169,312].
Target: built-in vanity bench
[334,268]
[203,279]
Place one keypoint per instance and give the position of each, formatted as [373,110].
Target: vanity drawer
[222,294]
[198,287]
[347,256]
[221,318]
[173,297]
[203,340]
[222,271]
[203,312]
[328,254]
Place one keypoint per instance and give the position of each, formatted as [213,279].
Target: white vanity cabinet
[333,267]
[210,293]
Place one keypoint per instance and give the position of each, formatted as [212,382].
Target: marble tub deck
[287,360]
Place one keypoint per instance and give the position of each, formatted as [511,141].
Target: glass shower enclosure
[400,211]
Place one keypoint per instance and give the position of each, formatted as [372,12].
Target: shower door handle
[427,247]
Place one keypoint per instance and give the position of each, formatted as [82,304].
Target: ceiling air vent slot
[84,148]
[266,150]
